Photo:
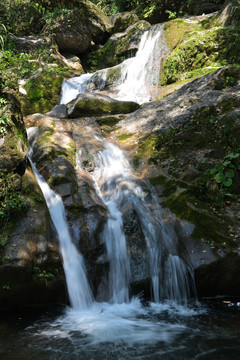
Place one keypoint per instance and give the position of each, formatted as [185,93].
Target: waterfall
[120,191]
[140,75]
[74,86]
[79,291]
[109,164]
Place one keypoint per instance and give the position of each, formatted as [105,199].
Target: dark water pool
[163,331]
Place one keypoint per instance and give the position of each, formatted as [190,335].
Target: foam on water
[129,324]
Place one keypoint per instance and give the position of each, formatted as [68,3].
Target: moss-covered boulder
[75,27]
[41,91]
[202,45]
[106,79]
[119,47]
[54,153]
[39,85]
[89,104]
[122,21]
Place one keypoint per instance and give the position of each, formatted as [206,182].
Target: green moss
[200,72]
[45,135]
[124,136]
[108,120]
[204,49]
[176,30]
[76,209]
[207,226]
[43,91]
[58,180]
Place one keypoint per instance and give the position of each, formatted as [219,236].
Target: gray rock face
[59,111]
[89,104]
[81,25]
[202,94]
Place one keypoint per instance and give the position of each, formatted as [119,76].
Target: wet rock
[30,263]
[122,21]
[96,104]
[221,277]
[59,111]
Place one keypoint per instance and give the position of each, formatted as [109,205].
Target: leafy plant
[4,123]
[3,35]
[218,181]
[171,14]
[6,287]
[44,275]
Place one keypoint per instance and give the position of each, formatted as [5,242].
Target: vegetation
[12,203]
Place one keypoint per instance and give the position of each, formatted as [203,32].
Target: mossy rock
[96,104]
[106,78]
[43,91]
[178,29]
[207,226]
[122,21]
[205,49]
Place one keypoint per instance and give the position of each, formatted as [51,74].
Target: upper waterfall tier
[138,77]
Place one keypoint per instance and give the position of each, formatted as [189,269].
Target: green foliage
[5,122]
[11,202]
[3,240]
[6,287]
[44,275]
[217,183]
[3,35]
[171,14]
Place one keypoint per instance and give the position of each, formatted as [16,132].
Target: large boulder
[191,139]
[122,21]
[202,46]
[40,90]
[76,27]
[89,104]
[54,153]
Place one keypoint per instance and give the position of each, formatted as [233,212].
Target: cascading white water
[74,86]
[109,163]
[79,291]
[119,190]
[140,74]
